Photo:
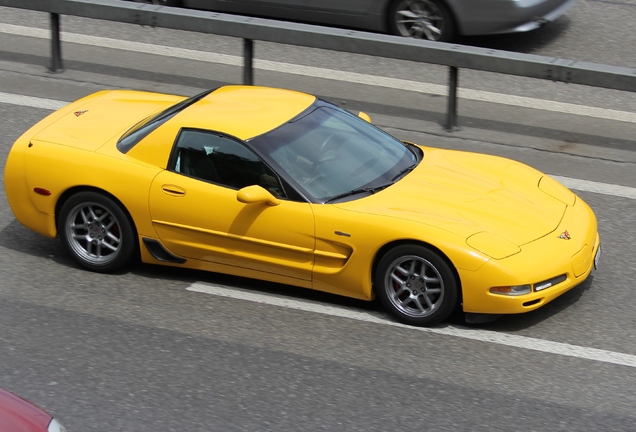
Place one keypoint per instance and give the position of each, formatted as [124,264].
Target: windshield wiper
[403,173]
[369,190]
[374,189]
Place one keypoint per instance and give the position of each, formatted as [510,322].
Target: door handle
[173,190]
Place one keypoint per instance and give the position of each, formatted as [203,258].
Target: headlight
[514,290]
[55,426]
[492,245]
[556,190]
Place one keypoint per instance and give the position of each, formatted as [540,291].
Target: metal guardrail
[358,42]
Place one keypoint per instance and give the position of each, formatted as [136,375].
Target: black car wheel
[416,285]
[96,232]
[175,3]
[422,19]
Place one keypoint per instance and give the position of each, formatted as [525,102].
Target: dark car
[439,20]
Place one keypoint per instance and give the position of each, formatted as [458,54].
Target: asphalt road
[147,350]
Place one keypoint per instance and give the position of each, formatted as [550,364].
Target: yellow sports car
[282,186]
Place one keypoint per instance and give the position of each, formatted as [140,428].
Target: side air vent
[532,302]
[160,253]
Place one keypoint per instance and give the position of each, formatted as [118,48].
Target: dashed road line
[515,341]
[30,101]
[316,72]
[597,187]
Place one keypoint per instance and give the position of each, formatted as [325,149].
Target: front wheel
[96,232]
[175,3]
[416,285]
[422,19]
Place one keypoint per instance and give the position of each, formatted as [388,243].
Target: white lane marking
[596,187]
[29,101]
[315,72]
[572,183]
[514,341]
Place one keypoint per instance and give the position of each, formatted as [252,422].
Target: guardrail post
[248,62]
[56,45]
[451,115]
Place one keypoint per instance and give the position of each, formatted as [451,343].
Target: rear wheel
[96,232]
[416,285]
[422,19]
[176,3]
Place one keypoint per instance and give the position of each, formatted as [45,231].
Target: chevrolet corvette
[283,186]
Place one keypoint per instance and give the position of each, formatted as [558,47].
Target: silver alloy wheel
[421,19]
[93,233]
[414,286]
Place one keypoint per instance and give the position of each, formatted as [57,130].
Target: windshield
[330,154]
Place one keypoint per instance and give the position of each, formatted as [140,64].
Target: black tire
[174,3]
[416,285]
[96,232]
[422,19]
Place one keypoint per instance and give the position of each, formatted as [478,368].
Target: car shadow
[16,237]
[257,286]
[504,323]
[20,239]
[523,321]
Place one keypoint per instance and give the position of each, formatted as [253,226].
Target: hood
[18,415]
[92,121]
[470,193]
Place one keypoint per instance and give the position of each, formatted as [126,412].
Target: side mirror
[256,194]
[364,116]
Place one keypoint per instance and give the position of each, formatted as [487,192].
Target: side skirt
[160,253]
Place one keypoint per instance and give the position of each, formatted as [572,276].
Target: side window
[222,160]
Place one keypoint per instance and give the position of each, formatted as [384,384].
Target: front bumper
[554,257]
[479,17]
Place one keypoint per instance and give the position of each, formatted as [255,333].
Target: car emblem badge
[565,235]
[79,113]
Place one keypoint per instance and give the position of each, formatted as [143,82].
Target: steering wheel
[324,154]
[329,145]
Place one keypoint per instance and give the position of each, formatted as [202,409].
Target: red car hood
[19,415]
